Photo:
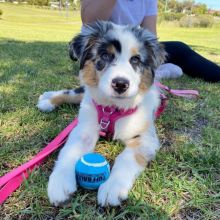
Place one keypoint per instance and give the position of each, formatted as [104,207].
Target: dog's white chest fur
[134,124]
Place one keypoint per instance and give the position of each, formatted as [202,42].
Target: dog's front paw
[60,187]
[112,192]
[44,101]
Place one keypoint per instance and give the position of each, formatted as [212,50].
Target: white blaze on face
[121,66]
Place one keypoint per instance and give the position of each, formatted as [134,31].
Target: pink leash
[178,92]
[13,179]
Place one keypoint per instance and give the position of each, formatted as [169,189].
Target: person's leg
[191,62]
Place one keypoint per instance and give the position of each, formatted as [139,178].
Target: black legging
[191,62]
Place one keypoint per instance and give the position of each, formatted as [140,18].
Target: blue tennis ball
[92,170]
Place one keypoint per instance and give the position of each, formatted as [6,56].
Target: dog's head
[118,61]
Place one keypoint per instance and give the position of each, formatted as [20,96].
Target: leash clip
[104,124]
[105,121]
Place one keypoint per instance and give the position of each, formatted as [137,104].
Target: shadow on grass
[32,58]
[26,70]
[29,68]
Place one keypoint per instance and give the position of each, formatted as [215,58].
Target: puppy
[117,65]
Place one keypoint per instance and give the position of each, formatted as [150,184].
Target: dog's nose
[120,85]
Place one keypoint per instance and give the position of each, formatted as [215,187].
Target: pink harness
[107,117]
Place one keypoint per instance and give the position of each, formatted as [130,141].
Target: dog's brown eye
[135,60]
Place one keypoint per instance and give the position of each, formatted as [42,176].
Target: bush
[38,2]
[203,21]
[1,12]
[170,16]
[216,14]
[206,21]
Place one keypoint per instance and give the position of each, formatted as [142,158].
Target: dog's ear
[156,54]
[81,46]
[75,47]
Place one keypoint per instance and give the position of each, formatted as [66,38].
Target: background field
[184,180]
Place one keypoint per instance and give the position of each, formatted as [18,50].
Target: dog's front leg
[62,182]
[128,165]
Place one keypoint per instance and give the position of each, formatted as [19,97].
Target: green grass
[183,181]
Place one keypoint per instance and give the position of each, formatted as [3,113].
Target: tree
[177,6]
[200,9]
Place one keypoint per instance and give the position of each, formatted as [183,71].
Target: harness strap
[108,115]
[163,105]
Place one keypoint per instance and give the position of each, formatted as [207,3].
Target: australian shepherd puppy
[117,65]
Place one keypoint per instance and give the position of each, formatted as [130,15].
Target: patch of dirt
[188,214]
[195,133]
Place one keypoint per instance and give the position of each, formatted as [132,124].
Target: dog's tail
[48,101]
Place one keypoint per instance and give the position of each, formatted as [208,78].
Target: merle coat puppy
[117,65]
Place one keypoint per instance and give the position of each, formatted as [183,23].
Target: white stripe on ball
[93,164]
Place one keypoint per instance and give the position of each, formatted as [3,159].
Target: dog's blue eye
[135,60]
[105,56]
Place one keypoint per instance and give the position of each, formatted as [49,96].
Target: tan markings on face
[134,51]
[111,49]
[61,99]
[146,80]
[141,160]
[89,74]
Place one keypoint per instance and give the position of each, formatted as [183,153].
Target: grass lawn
[184,180]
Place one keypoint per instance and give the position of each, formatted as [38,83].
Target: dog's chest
[132,125]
